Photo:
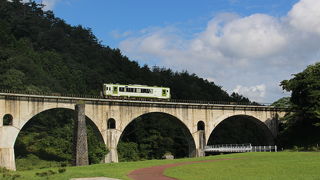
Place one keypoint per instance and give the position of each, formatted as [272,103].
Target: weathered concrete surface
[112,137]
[7,159]
[80,144]
[24,107]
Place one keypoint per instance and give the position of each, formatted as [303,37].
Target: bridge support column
[8,136]
[200,141]
[80,137]
[7,159]
[112,137]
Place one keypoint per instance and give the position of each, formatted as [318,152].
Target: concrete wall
[99,111]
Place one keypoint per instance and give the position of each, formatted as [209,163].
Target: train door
[115,90]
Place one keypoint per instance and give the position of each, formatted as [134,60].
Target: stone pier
[80,137]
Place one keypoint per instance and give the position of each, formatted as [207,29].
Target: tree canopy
[302,126]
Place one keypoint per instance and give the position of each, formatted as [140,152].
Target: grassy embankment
[281,165]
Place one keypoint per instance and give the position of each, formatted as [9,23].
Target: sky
[244,46]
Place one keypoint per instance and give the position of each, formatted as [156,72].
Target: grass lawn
[258,166]
[281,165]
[113,170]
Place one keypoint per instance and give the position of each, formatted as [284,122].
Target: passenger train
[135,91]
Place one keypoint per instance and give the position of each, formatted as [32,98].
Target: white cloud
[305,15]
[252,37]
[255,93]
[49,4]
[237,52]
[116,34]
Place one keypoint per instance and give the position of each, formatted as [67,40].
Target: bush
[6,174]
[62,170]
[33,162]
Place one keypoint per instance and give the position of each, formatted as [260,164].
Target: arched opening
[241,129]
[111,123]
[202,136]
[7,120]
[46,140]
[200,126]
[154,135]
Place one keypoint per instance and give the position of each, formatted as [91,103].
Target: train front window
[164,92]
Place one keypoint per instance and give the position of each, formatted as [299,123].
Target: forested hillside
[42,53]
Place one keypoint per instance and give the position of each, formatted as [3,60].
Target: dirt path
[156,172]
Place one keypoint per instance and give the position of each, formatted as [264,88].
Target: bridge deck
[171,102]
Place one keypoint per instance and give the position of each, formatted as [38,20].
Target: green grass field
[257,166]
[281,165]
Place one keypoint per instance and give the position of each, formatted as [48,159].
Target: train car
[135,91]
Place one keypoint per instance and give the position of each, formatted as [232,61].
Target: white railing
[239,148]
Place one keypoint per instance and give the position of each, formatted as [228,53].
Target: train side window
[121,89]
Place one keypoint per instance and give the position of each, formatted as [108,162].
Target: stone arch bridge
[111,117]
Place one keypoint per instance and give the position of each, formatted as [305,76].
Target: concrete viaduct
[111,117]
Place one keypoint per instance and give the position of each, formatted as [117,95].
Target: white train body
[136,91]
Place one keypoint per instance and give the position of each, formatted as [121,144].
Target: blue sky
[245,46]
[107,17]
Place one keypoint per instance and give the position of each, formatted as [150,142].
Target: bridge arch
[261,124]
[61,118]
[167,118]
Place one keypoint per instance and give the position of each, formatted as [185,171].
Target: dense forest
[41,53]
[301,127]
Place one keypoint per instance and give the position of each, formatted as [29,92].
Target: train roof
[137,85]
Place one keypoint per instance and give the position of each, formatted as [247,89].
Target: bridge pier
[7,159]
[80,151]
[200,141]
[112,136]
[8,135]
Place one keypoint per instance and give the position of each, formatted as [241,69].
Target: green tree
[302,125]
[282,103]
[13,79]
